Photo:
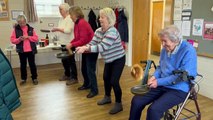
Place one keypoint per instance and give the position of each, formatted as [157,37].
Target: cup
[42,44]
[46,42]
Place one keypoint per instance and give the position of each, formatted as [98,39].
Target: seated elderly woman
[163,95]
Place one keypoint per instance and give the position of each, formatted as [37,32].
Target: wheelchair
[177,111]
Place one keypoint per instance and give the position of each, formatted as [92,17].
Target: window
[48,8]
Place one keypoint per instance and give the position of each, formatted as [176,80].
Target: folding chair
[175,112]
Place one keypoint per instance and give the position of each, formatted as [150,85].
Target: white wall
[205,68]
[90,4]
[6,26]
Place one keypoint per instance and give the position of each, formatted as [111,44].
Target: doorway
[157,24]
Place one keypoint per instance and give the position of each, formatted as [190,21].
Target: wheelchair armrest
[183,76]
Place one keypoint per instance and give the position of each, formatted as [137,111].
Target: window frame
[47,15]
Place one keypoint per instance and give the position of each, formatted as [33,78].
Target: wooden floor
[53,100]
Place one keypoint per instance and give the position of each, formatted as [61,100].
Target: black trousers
[30,56]
[112,74]
[69,65]
[88,69]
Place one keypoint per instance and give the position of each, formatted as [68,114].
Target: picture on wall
[4,14]
[3,4]
[16,13]
[208,30]
[197,29]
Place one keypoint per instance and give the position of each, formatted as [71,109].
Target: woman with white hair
[107,41]
[65,35]
[25,38]
[165,92]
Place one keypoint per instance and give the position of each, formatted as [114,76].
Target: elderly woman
[25,38]
[164,94]
[107,41]
[65,34]
[83,34]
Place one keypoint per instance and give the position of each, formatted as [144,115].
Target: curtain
[30,11]
[70,2]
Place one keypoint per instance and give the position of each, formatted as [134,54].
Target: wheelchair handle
[199,75]
[146,61]
[184,74]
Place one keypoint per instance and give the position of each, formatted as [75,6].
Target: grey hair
[21,17]
[65,6]
[110,14]
[172,32]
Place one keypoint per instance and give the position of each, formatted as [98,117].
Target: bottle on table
[47,39]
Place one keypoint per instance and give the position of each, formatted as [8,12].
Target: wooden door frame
[151,19]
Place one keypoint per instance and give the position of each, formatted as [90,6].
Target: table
[12,48]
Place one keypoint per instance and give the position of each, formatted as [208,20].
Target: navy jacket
[123,26]
[92,20]
[19,32]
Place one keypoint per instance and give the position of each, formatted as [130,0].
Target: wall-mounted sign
[4,14]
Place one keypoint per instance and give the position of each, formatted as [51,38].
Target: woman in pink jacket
[25,39]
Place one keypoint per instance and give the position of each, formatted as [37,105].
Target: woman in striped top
[107,41]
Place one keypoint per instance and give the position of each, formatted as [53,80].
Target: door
[157,20]
[140,30]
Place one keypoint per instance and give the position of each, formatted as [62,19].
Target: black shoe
[83,88]
[91,94]
[22,82]
[35,82]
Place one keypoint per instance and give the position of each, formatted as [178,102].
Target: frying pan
[140,89]
[137,72]
[44,30]
[65,54]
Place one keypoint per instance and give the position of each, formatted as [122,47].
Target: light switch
[50,24]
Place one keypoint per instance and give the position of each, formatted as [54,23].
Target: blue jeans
[161,98]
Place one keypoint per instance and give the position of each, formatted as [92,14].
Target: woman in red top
[83,34]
